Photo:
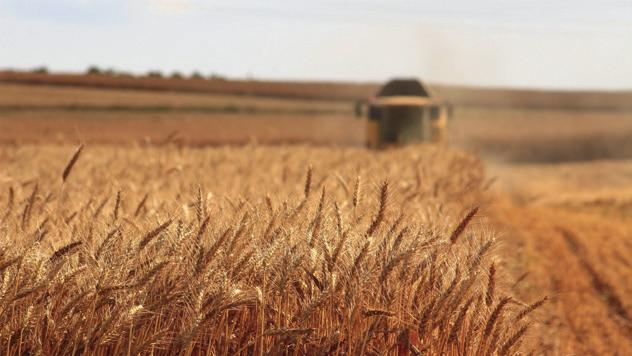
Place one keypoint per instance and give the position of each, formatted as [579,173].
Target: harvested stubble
[248,251]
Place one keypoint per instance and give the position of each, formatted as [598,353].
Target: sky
[548,44]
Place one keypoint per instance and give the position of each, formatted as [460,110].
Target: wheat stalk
[71,163]
[462,225]
[153,233]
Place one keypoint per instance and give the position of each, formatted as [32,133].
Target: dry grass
[249,251]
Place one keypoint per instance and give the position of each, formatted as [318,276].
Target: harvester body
[402,113]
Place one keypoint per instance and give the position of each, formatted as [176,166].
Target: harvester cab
[403,112]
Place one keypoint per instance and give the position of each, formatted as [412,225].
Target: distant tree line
[94,70]
[40,70]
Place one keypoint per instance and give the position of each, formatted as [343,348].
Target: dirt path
[579,258]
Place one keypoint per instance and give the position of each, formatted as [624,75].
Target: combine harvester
[403,112]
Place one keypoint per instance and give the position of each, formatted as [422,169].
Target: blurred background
[537,81]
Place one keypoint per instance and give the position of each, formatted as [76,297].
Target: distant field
[60,114]
[21,97]
[538,135]
[350,91]
[602,186]
[56,114]
[189,128]
[291,90]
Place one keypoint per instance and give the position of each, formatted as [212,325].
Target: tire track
[600,285]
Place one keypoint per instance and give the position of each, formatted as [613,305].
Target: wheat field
[250,250]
